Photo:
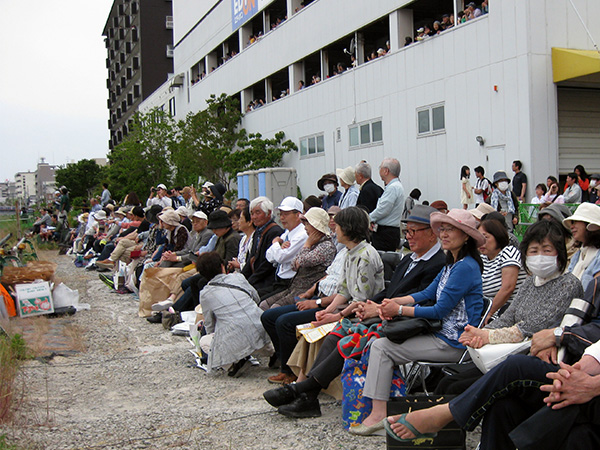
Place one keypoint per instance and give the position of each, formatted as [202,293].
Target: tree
[81,178]
[143,159]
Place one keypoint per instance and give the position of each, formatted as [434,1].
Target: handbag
[490,355]
[402,328]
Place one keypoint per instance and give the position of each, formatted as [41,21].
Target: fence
[528,215]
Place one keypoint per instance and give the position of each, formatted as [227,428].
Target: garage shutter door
[579,129]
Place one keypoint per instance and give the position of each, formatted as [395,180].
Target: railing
[528,215]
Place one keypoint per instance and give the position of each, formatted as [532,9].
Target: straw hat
[319,219]
[458,218]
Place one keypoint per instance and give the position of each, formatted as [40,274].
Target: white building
[25,185]
[493,77]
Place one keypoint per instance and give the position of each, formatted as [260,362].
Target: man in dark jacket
[369,191]
[259,272]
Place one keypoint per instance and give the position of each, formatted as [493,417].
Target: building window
[172,106]
[430,120]
[366,133]
[312,145]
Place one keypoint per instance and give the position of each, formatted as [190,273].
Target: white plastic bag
[63,296]
[490,355]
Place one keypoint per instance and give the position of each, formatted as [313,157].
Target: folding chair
[417,369]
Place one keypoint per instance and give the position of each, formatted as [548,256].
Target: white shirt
[164,202]
[593,351]
[482,184]
[284,256]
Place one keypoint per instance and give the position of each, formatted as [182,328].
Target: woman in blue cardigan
[458,298]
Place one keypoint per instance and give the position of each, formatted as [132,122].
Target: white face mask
[329,188]
[593,183]
[543,266]
[503,185]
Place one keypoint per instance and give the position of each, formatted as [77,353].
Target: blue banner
[242,11]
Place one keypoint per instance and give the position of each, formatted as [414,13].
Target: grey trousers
[385,355]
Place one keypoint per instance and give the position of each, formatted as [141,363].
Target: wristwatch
[400,310]
[558,332]
[318,301]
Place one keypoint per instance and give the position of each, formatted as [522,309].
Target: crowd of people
[256,271]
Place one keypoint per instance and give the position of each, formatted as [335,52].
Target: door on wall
[495,160]
[578,129]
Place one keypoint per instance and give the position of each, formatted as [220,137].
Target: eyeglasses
[446,229]
[412,231]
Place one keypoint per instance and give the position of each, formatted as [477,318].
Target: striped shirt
[492,271]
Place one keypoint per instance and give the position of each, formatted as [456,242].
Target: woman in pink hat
[455,297]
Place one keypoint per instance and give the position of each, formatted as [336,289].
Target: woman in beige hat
[348,182]
[177,234]
[585,226]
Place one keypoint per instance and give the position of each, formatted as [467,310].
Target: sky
[52,83]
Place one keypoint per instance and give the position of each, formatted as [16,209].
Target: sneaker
[238,368]
[107,280]
[162,306]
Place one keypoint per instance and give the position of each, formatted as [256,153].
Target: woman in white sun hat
[585,226]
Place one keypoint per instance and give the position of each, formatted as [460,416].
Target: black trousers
[386,238]
[328,362]
[278,285]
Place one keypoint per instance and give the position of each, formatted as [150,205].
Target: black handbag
[402,328]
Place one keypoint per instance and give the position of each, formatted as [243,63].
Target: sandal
[402,420]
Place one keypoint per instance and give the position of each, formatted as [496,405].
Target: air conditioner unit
[169,23]
[169,51]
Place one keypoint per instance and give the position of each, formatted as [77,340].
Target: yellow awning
[568,63]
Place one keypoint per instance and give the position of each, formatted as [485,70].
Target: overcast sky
[52,82]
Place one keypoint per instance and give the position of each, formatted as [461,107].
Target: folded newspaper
[312,333]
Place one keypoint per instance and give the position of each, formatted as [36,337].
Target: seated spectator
[231,316]
[284,248]
[441,206]
[573,193]
[234,215]
[184,218]
[258,270]
[458,302]
[228,240]
[213,198]
[310,261]
[472,11]
[585,226]
[351,192]
[160,198]
[131,199]
[414,273]
[246,227]
[45,219]
[199,237]
[437,28]
[242,203]
[312,201]
[446,22]
[552,196]
[540,192]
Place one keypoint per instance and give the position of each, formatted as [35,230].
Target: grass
[5,445]
[13,351]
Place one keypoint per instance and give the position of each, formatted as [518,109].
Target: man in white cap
[284,248]
[161,198]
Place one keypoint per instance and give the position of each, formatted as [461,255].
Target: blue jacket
[463,283]
[592,269]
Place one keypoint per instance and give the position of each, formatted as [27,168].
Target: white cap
[200,215]
[161,186]
[291,204]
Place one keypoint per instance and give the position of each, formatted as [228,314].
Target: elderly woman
[177,235]
[585,226]
[310,264]
[246,227]
[502,274]
[459,302]
[362,278]
[231,316]
[348,181]
[312,260]
[504,201]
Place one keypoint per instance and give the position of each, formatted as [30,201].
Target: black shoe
[156,318]
[273,361]
[301,408]
[238,368]
[280,396]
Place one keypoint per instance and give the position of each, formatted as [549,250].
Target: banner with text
[243,10]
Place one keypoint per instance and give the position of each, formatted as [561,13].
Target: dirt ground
[129,384]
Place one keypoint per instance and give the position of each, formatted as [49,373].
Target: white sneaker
[161,306]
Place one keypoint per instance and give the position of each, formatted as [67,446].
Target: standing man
[369,191]
[386,216]
[106,197]
[519,181]
[482,186]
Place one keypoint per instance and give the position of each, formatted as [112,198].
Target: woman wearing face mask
[329,184]
[592,190]
[544,296]
[585,226]
[504,201]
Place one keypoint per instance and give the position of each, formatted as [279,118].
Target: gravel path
[134,387]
